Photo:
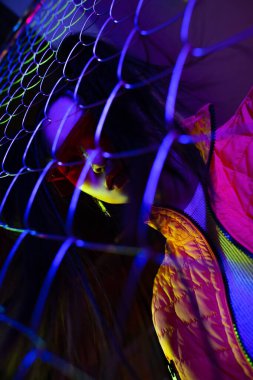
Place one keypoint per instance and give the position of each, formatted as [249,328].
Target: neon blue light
[155,172]
[35,191]
[173,88]
[106,110]
[200,52]
[10,257]
[186,20]
[28,332]
[38,309]
[76,193]
[25,365]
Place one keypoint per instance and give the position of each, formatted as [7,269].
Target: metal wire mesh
[75,293]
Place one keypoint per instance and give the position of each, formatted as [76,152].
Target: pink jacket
[191,311]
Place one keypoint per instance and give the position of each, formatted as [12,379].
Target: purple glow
[63,115]
[137,13]
[124,52]
[200,52]
[162,26]
[31,16]
[106,110]
[155,172]
[25,365]
[187,20]
[81,76]
[175,79]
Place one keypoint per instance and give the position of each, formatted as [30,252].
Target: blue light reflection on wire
[177,71]
[131,153]
[25,365]
[124,52]
[76,193]
[10,256]
[105,111]
[31,139]
[64,367]
[20,132]
[187,20]
[155,172]
[54,361]
[137,13]
[175,79]
[51,95]
[36,340]
[38,309]
[161,26]
[35,191]
[10,187]
[200,52]
[131,86]
[110,248]
[82,75]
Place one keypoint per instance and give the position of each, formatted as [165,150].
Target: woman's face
[70,134]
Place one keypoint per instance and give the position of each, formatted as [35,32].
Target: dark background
[10,13]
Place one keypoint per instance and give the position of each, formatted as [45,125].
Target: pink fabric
[189,307]
[232,174]
[231,167]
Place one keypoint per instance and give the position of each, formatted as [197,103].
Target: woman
[202,323]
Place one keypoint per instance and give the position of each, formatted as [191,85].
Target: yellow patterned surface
[190,311]
[199,127]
